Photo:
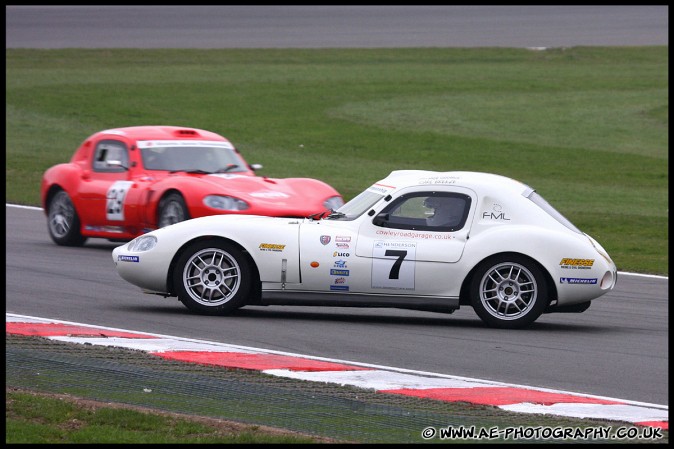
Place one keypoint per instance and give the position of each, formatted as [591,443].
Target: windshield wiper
[317,215]
[335,214]
[226,169]
[191,170]
[330,214]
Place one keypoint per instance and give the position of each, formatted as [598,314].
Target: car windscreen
[191,156]
[357,206]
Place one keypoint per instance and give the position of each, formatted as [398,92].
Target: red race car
[124,182]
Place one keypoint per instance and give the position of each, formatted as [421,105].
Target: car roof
[477,181]
[160,132]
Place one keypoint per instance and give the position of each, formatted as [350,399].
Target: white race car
[417,239]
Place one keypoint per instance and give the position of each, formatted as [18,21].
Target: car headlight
[142,244]
[333,203]
[222,202]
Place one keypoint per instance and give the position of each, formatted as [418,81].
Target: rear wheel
[63,222]
[212,278]
[172,209]
[508,291]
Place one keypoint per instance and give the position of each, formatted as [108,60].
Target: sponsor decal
[441,180]
[415,234]
[110,229]
[340,287]
[380,188]
[226,175]
[183,143]
[341,238]
[342,245]
[269,194]
[271,247]
[495,214]
[340,254]
[123,258]
[340,263]
[577,281]
[340,281]
[382,244]
[576,264]
[325,239]
[314,264]
[334,272]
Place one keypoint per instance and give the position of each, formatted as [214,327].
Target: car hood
[256,186]
[242,220]
[235,227]
[257,189]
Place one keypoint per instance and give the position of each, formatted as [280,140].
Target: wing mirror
[381,220]
[118,164]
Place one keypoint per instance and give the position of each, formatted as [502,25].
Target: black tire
[172,209]
[63,222]
[508,291]
[212,278]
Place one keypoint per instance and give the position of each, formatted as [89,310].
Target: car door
[105,188]
[410,250]
[328,262]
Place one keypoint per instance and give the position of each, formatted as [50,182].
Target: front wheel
[63,222]
[172,209]
[508,291]
[212,278]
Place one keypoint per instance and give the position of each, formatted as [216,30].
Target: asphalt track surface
[323,26]
[618,348]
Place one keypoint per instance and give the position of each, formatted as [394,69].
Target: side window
[108,151]
[426,211]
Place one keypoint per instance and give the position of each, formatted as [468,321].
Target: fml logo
[495,214]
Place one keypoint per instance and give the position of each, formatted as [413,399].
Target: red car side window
[111,156]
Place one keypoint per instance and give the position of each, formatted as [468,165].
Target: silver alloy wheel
[61,215]
[211,277]
[508,291]
[172,213]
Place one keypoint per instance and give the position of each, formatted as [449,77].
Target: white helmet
[447,210]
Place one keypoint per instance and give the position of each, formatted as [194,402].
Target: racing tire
[172,209]
[212,278]
[508,291]
[63,222]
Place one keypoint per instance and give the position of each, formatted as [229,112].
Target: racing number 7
[395,270]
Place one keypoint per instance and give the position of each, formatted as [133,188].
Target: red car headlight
[222,202]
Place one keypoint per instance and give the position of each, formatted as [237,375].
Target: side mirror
[381,220]
[255,167]
[113,163]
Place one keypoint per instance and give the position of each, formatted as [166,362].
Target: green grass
[587,127]
[41,419]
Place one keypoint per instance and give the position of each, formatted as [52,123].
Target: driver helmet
[441,210]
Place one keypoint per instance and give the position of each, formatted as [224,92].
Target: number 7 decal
[395,269]
[393,265]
